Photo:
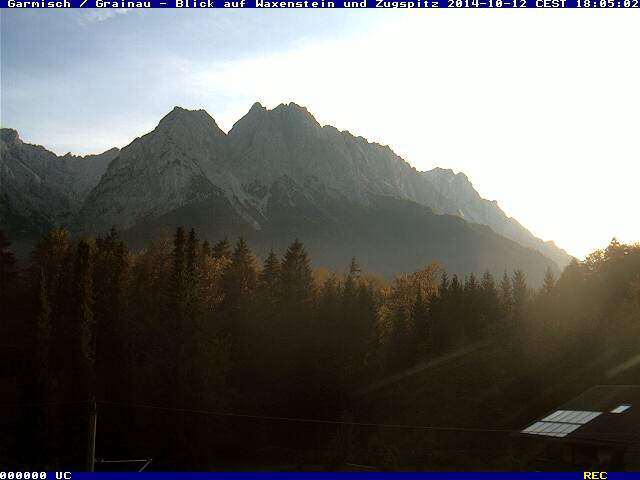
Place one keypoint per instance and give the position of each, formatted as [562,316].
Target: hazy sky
[540,108]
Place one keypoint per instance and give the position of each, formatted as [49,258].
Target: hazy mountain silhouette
[276,175]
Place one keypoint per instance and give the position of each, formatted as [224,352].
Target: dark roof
[606,427]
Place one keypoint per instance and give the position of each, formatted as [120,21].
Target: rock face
[288,141]
[39,190]
[277,175]
[159,172]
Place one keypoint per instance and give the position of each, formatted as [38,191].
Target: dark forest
[201,356]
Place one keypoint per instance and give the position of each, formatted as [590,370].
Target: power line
[306,420]
[276,418]
[334,422]
[260,417]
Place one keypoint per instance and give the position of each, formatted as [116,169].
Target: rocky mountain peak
[256,108]
[181,121]
[9,136]
[290,118]
[295,113]
[256,115]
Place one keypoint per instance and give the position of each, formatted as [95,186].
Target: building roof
[602,414]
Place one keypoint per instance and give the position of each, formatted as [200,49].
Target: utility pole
[91,437]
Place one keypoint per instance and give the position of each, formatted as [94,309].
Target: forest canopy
[191,325]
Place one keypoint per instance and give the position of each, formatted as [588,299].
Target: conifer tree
[455,312]
[270,274]
[44,330]
[506,302]
[7,268]
[520,295]
[84,317]
[488,284]
[112,355]
[351,283]
[300,330]
[269,283]
[43,377]
[206,249]
[456,288]
[398,314]
[438,304]
[50,254]
[444,285]
[297,282]
[192,254]
[471,291]
[331,311]
[11,326]
[239,284]
[52,278]
[240,278]
[351,322]
[268,329]
[368,307]
[221,249]
[174,345]
[179,278]
[471,319]
[420,335]
[549,282]
[193,268]
[490,304]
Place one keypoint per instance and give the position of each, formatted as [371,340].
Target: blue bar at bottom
[339,475]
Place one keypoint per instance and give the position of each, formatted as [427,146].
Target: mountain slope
[159,172]
[289,141]
[39,190]
[463,200]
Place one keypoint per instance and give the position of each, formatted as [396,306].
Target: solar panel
[571,416]
[551,429]
[532,428]
[621,408]
[590,417]
[553,416]
[562,422]
[568,428]
[568,416]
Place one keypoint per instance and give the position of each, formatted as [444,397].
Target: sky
[539,108]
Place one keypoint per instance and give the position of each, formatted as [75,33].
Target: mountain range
[277,175]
